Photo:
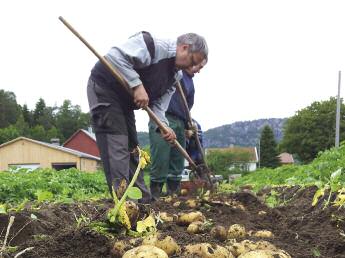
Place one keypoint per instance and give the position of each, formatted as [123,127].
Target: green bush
[226,163]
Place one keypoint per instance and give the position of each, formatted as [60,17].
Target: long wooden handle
[101,58]
[124,83]
[176,143]
[184,100]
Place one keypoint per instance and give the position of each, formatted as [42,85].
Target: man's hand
[194,127]
[188,133]
[170,136]
[141,99]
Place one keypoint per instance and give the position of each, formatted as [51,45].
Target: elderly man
[151,67]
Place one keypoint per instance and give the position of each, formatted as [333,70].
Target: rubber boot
[173,187]
[156,190]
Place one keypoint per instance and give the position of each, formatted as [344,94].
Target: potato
[265,254]
[257,254]
[247,246]
[119,249]
[206,250]
[177,204]
[219,232]
[241,248]
[231,241]
[196,227]
[185,219]
[167,199]
[168,244]
[192,203]
[264,245]
[231,250]
[145,251]
[237,249]
[229,245]
[236,231]
[150,240]
[184,192]
[262,213]
[166,217]
[263,234]
[282,254]
[240,207]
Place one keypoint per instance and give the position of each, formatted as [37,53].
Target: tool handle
[184,100]
[101,58]
[124,83]
[176,143]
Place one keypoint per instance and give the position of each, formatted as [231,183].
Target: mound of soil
[302,230]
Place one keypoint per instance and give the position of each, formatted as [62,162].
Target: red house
[83,141]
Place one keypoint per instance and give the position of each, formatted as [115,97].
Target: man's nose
[196,69]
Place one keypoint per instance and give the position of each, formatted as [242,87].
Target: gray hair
[196,42]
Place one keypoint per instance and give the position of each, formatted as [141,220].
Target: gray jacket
[146,60]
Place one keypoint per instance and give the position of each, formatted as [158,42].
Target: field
[63,214]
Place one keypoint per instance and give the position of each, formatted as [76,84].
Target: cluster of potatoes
[158,246]
[193,203]
[249,249]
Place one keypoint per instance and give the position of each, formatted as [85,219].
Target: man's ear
[185,47]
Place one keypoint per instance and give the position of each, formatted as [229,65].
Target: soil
[303,230]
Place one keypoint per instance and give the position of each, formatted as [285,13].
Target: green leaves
[319,193]
[135,193]
[325,170]
[44,196]
[50,185]
[336,175]
[340,199]
[147,225]
[3,209]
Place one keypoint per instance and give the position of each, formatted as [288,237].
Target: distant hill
[243,133]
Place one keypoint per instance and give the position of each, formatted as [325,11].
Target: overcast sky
[267,59]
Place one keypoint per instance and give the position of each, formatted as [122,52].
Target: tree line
[310,131]
[42,123]
[305,135]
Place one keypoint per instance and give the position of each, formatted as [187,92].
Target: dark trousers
[114,124]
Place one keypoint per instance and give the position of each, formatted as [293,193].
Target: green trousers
[166,161]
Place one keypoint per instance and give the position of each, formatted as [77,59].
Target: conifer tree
[268,148]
